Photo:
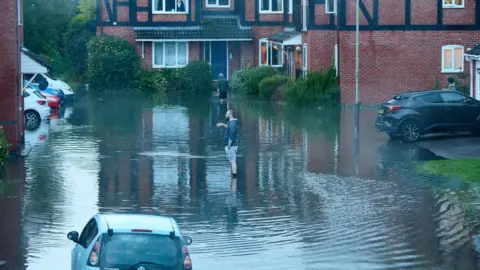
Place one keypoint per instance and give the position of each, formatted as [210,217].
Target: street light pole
[357,104]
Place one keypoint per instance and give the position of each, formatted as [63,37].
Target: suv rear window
[124,250]
[38,94]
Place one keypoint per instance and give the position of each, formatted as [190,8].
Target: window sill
[270,12]
[158,67]
[169,13]
[275,66]
[331,13]
[217,6]
[451,71]
[453,6]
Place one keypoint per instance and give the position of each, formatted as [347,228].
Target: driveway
[452,147]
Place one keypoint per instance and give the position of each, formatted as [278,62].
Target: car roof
[424,92]
[127,222]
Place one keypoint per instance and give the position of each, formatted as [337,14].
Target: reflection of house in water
[170,155]
[11,217]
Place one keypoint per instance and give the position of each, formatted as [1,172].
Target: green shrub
[153,82]
[112,63]
[269,85]
[318,89]
[237,82]
[196,77]
[255,75]
[4,145]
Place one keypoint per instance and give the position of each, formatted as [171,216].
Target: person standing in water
[222,88]
[230,140]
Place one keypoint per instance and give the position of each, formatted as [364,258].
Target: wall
[11,116]
[396,61]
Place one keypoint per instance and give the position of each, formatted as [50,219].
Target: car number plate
[380,111]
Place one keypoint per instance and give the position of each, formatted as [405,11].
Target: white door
[477,80]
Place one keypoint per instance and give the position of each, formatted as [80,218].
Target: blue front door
[219,58]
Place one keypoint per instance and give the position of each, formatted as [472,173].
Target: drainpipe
[304,17]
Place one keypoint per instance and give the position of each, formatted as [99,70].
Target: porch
[473,56]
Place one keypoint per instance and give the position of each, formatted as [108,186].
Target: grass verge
[466,170]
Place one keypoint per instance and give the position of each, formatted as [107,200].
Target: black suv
[410,115]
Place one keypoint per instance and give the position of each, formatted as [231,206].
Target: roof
[35,57]
[474,51]
[226,27]
[284,34]
[424,92]
[127,222]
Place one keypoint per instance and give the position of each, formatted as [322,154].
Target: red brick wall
[320,16]
[351,17]
[393,11]
[125,32]
[10,100]
[234,62]
[246,54]
[271,17]
[460,15]
[250,10]
[193,51]
[123,14]
[321,47]
[396,61]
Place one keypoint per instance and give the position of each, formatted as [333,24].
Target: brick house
[404,44]
[11,100]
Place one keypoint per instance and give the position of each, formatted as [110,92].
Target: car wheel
[32,120]
[411,130]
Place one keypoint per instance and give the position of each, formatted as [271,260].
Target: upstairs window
[271,6]
[453,3]
[170,6]
[331,6]
[270,53]
[170,54]
[218,3]
[452,58]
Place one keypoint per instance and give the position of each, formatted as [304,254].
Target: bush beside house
[4,145]
[253,77]
[271,85]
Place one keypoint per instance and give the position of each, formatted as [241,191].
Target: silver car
[130,242]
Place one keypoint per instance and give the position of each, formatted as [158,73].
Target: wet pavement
[304,197]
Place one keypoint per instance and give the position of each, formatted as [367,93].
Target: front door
[219,58]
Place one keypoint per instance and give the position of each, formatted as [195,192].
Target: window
[453,4]
[331,6]
[170,6]
[271,53]
[271,6]
[449,97]
[170,54]
[88,233]
[218,3]
[452,58]
[432,98]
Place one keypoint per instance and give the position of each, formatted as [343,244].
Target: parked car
[35,110]
[55,92]
[130,241]
[410,115]
[53,101]
[54,83]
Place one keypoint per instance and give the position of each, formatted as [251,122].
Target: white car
[130,241]
[54,84]
[36,109]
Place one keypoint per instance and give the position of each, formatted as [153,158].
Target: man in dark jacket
[230,140]
[222,87]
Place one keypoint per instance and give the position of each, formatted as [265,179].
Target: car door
[84,241]
[460,115]
[432,112]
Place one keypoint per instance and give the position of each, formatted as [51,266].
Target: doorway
[219,59]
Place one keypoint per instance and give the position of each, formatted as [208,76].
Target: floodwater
[305,198]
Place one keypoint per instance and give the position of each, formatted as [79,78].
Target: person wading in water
[230,140]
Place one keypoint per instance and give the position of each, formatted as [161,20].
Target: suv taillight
[187,262]
[392,108]
[93,259]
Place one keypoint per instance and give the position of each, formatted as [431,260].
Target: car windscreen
[38,94]
[50,76]
[125,250]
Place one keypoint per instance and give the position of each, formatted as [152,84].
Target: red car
[53,101]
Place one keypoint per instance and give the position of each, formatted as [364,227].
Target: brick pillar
[11,102]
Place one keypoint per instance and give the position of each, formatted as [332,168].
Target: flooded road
[303,198]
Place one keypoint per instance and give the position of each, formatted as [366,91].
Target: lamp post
[357,104]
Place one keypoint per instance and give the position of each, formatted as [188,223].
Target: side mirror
[73,236]
[187,239]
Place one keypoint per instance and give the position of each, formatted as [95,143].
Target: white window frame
[216,5]
[304,60]
[269,47]
[453,5]
[155,11]
[328,8]
[452,48]
[290,6]
[269,11]
[163,58]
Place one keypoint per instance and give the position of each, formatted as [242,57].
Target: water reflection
[309,194]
